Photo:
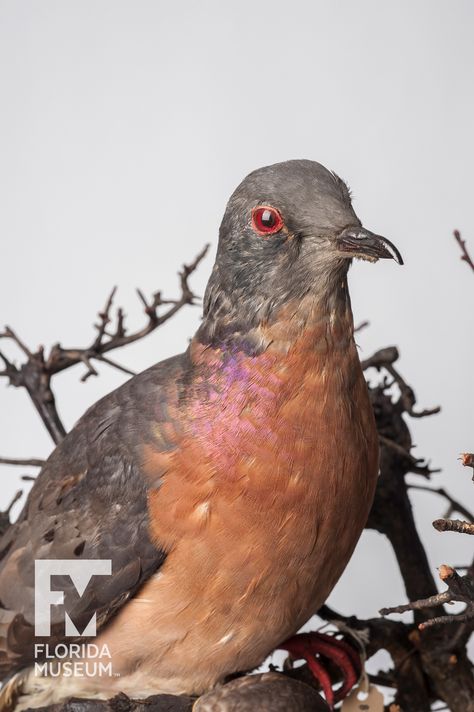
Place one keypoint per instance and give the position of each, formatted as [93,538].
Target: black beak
[359,242]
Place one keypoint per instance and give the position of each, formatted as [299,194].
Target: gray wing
[88,502]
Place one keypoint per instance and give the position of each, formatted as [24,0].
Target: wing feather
[90,502]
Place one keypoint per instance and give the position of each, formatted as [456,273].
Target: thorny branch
[37,371]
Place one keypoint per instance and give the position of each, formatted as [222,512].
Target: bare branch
[443,620]
[453,525]
[417,466]
[465,256]
[10,371]
[104,317]
[385,358]
[10,334]
[61,359]
[460,589]
[454,504]
[419,605]
[360,327]
[381,358]
[5,515]
[36,372]
[29,462]
[116,365]
[18,495]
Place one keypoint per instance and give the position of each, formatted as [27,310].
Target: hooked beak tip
[359,242]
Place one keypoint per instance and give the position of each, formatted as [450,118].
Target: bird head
[289,231]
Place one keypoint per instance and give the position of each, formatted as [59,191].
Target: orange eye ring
[266,220]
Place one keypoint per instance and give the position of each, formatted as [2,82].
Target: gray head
[288,230]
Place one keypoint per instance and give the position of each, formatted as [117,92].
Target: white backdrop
[125,126]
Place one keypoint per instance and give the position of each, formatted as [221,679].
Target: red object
[314,648]
[266,220]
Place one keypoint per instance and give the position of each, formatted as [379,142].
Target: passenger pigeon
[228,485]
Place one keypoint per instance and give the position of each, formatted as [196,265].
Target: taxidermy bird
[228,485]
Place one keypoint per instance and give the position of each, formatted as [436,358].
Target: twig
[460,589]
[453,525]
[415,465]
[10,334]
[443,620]
[36,373]
[385,358]
[457,525]
[381,358]
[18,495]
[5,515]
[465,256]
[455,506]
[116,365]
[360,327]
[419,605]
[60,358]
[31,462]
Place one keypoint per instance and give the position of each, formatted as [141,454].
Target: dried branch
[36,372]
[460,590]
[423,603]
[417,465]
[33,375]
[453,525]
[60,359]
[5,514]
[424,669]
[454,504]
[360,327]
[381,358]
[31,462]
[384,359]
[457,525]
[465,256]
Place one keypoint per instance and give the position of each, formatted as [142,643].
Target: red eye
[266,220]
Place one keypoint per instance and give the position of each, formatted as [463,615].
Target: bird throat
[320,319]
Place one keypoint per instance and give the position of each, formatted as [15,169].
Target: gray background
[124,126]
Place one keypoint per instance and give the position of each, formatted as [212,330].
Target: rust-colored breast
[260,506]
